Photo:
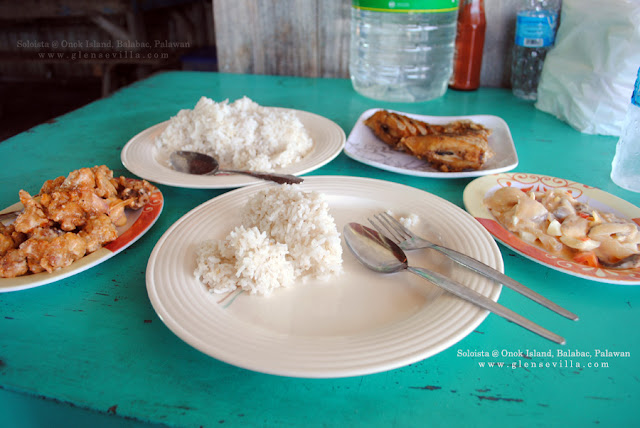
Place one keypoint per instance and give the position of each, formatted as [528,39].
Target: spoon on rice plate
[201,164]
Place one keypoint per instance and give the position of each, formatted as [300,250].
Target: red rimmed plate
[479,189]
[138,223]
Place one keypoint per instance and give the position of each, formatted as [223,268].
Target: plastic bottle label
[536,31]
[414,6]
[635,97]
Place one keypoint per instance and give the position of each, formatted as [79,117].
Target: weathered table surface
[92,347]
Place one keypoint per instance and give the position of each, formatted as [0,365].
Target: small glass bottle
[536,25]
[467,60]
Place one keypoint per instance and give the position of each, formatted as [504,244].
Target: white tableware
[357,323]
[141,157]
[480,188]
[363,146]
[138,223]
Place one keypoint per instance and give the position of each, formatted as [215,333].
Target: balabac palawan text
[83,44]
[534,353]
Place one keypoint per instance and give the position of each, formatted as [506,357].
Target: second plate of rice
[241,135]
[350,322]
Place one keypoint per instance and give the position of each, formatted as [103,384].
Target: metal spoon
[629,262]
[380,254]
[11,215]
[201,164]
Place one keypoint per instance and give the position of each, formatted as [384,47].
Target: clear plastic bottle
[536,26]
[625,169]
[402,51]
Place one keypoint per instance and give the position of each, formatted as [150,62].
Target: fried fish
[452,147]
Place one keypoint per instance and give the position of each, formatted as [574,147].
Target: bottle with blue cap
[536,25]
[625,169]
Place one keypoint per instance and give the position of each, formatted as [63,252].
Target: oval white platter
[362,145]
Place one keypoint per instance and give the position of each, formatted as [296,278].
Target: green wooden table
[92,347]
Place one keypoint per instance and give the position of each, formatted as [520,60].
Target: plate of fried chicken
[74,222]
[432,146]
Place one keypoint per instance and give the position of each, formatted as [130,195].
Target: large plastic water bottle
[402,50]
[625,169]
[536,25]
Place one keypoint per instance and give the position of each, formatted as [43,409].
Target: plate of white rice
[286,235]
[328,316]
[240,135]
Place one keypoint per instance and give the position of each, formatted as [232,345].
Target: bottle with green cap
[402,51]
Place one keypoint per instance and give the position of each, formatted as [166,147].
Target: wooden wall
[290,37]
[311,38]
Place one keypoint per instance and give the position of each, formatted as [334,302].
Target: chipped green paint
[93,344]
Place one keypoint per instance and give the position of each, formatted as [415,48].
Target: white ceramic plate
[363,146]
[138,223]
[480,188]
[141,157]
[358,323]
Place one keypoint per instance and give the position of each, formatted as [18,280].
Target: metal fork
[407,240]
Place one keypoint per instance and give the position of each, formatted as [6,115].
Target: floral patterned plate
[478,189]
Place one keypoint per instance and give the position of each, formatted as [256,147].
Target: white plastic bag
[587,78]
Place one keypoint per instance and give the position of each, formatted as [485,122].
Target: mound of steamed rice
[241,135]
[286,235]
